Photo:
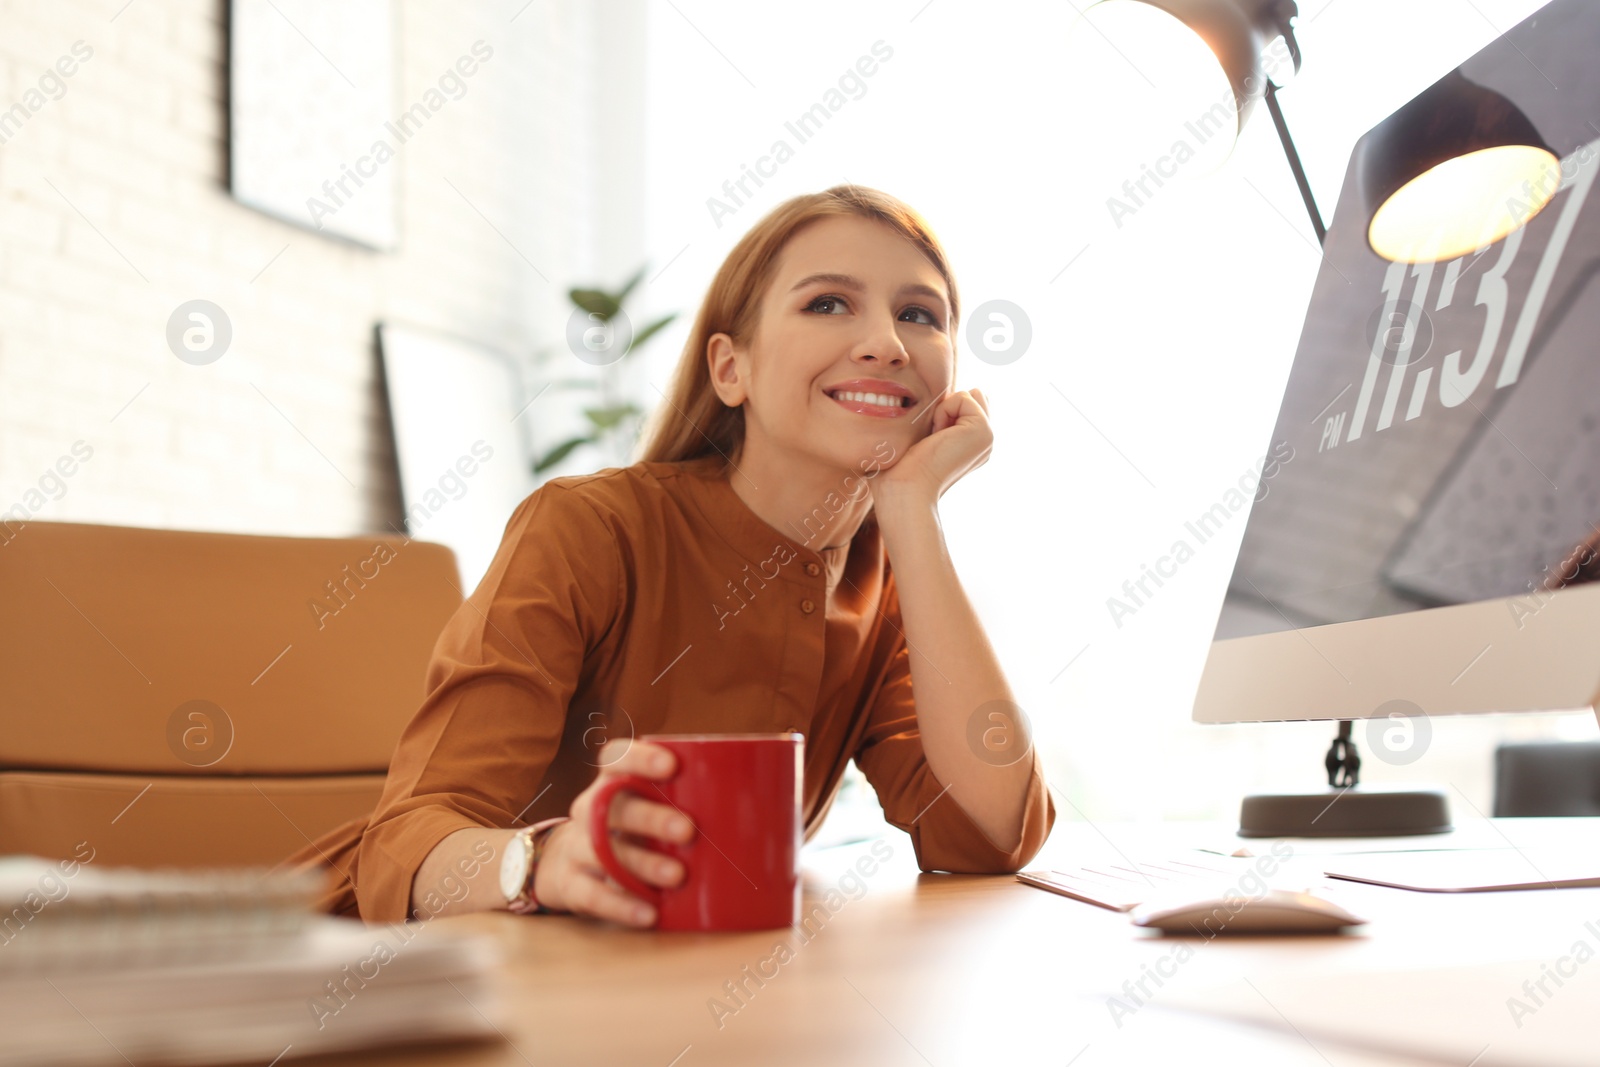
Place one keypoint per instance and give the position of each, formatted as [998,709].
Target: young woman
[775,562]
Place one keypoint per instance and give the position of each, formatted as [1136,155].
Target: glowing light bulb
[1464,204]
[1158,82]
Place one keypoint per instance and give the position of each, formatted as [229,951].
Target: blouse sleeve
[944,837]
[497,689]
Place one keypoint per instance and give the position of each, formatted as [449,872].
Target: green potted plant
[599,314]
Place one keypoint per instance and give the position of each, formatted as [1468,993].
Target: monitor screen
[1439,438]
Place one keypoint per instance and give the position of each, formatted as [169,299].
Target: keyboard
[1124,885]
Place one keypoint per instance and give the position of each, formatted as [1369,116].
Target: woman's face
[855,315]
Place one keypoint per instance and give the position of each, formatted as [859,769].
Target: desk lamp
[1455,170]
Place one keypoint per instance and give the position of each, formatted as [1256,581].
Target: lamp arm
[1342,761]
[1282,14]
[1271,95]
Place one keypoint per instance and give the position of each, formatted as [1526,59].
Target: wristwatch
[521,862]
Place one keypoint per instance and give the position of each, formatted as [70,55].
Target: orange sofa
[204,699]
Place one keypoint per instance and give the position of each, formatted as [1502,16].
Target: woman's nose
[884,349]
[892,359]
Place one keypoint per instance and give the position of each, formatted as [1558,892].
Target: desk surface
[955,969]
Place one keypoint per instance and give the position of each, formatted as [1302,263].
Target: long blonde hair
[693,422]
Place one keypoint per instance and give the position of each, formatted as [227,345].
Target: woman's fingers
[955,403]
[648,818]
[648,864]
[570,879]
[624,755]
[585,889]
[590,894]
[571,876]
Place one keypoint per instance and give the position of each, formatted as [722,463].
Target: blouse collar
[746,532]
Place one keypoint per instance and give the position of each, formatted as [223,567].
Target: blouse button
[808,606]
[813,570]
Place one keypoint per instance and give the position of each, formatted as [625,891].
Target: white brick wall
[137,145]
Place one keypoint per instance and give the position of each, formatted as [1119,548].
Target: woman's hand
[570,877]
[959,441]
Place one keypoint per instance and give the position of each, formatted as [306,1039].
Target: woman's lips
[869,408]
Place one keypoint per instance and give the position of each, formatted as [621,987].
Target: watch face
[514,867]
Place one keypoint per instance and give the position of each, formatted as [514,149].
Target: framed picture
[460,438]
[311,104]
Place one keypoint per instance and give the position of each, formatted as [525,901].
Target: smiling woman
[824,349]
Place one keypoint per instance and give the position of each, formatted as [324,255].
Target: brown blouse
[651,599]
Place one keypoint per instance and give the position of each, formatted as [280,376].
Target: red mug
[741,868]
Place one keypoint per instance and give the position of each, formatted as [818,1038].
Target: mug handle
[600,833]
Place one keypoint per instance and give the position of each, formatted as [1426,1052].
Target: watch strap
[537,835]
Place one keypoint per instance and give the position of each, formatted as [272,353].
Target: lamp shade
[1238,33]
[1456,169]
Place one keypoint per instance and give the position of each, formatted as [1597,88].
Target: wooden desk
[947,969]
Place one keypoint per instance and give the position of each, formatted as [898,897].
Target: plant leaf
[627,288]
[596,302]
[606,418]
[560,452]
[650,331]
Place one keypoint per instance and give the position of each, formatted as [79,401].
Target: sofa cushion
[164,652]
[177,821]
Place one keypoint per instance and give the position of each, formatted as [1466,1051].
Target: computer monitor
[1425,535]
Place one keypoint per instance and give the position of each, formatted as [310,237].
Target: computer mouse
[1277,911]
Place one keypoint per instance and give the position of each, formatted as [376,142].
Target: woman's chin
[867,458]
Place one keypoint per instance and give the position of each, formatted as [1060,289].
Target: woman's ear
[727,372]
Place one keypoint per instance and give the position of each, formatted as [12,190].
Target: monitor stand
[1344,810]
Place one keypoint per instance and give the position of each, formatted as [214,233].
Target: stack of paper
[118,966]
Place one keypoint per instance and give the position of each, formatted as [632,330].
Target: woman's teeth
[881,399]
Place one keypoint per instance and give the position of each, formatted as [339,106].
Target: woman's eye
[824,300]
[928,317]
